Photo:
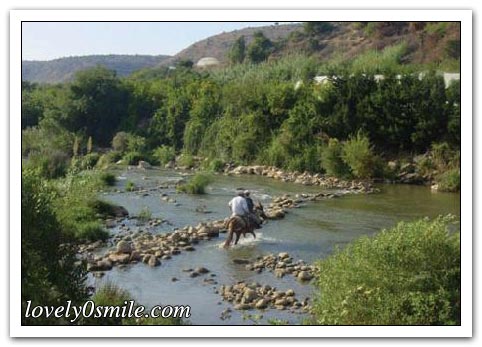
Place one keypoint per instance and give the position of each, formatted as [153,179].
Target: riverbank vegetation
[397,277]
[351,124]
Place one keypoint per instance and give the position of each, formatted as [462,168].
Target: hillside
[217,46]
[425,42]
[63,69]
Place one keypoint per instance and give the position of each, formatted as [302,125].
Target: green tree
[237,51]
[97,103]
[260,48]
[314,28]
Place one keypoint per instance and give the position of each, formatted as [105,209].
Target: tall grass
[386,61]
[289,68]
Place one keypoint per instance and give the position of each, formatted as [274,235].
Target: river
[310,232]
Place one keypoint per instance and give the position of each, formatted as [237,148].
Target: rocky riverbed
[303,178]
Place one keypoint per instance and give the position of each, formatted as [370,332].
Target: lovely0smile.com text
[90,310]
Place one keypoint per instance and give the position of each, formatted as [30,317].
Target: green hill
[63,69]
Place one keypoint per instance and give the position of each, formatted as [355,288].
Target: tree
[237,52]
[260,49]
[314,28]
[185,63]
[97,103]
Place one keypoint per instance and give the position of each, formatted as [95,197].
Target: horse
[239,225]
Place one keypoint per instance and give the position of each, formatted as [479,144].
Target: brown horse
[241,225]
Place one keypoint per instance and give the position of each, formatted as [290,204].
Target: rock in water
[143,165]
[249,295]
[124,247]
[304,276]
[153,261]
[261,304]
[119,211]
[241,261]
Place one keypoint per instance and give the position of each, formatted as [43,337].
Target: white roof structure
[207,62]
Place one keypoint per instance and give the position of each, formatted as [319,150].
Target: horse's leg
[238,234]
[229,239]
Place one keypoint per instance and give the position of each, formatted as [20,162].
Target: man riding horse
[242,220]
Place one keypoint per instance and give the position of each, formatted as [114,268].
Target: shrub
[408,275]
[91,231]
[119,142]
[216,165]
[76,205]
[186,160]
[49,163]
[108,179]
[90,160]
[108,295]
[164,154]
[144,215]
[449,181]
[133,158]
[443,155]
[111,295]
[50,272]
[102,207]
[358,155]
[130,186]
[104,162]
[331,159]
[196,185]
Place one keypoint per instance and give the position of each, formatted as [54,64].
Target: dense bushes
[164,154]
[408,275]
[449,181]
[76,207]
[332,161]
[50,271]
[259,112]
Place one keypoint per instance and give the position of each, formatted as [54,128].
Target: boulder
[283,255]
[261,304]
[201,270]
[143,165]
[102,265]
[249,295]
[304,276]
[242,307]
[122,258]
[119,211]
[290,292]
[240,261]
[135,256]
[124,247]
[153,261]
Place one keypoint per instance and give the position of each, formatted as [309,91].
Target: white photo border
[205,15]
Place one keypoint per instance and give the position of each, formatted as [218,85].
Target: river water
[310,232]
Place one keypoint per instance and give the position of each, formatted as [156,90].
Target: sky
[51,40]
